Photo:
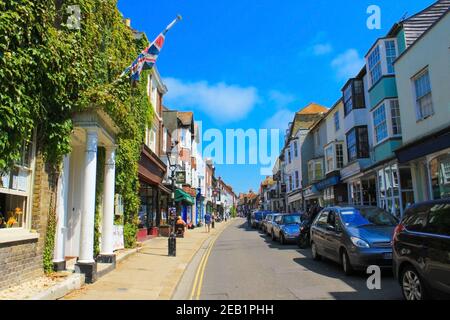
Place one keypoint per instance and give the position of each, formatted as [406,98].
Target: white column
[61,210]
[88,205]
[108,202]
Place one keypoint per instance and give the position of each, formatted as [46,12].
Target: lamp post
[172,242]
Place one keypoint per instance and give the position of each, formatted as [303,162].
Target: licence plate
[387,256]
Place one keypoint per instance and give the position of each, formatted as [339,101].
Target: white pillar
[108,202]
[88,205]
[61,211]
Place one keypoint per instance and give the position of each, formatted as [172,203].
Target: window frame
[28,167]
[419,108]
[360,154]
[380,112]
[374,65]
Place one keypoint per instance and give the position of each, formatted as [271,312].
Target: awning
[180,196]
[428,145]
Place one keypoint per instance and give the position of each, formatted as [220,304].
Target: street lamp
[172,242]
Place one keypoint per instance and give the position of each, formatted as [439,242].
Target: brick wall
[21,261]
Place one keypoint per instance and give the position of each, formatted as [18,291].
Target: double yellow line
[198,281]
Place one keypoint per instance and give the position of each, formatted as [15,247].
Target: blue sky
[253,63]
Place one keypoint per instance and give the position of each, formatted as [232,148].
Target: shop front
[199,206]
[394,187]
[153,194]
[334,192]
[184,202]
[312,197]
[429,159]
[295,201]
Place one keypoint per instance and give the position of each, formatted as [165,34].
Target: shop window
[440,176]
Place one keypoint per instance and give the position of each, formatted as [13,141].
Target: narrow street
[245,264]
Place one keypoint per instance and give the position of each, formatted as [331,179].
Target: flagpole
[178,18]
[170,26]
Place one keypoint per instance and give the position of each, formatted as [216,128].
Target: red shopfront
[153,194]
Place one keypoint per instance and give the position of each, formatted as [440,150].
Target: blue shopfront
[332,191]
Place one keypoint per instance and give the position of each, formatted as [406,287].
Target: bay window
[391,55]
[357,143]
[395,117]
[334,157]
[353,96]
[374,62]
[379,123]
[315,170]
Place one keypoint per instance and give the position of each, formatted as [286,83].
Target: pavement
[244,264]
[148,274]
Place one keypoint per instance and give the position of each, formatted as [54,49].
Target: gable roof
[416,25]
[306,118]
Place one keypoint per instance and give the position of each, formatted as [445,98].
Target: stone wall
[21,260]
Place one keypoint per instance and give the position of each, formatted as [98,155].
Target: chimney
[128,22]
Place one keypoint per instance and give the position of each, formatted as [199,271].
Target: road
[245,264]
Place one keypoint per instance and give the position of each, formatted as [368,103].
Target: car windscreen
[291,219]
[361,217]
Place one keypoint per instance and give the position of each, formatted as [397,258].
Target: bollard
[172,246]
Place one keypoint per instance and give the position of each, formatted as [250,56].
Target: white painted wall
[413,61]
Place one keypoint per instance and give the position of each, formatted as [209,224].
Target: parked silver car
[268,223]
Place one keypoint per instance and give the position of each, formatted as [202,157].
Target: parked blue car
[286,228]
[257,218]
[355,237]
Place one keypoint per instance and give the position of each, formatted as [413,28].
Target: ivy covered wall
[49,70]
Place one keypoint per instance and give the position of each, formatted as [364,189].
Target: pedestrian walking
[208,219]
[213,220]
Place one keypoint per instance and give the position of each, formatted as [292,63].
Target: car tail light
[397,231]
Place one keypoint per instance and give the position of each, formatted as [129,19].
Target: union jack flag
[147,58]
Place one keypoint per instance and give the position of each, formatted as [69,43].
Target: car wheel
[282,239]
[315,255]
[346,265]
[412,285]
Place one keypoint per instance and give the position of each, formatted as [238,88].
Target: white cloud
[348,64]
[280,120]
[321,49]
[280,99]
[222,102]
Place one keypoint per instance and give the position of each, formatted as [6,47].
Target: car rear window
[439,220]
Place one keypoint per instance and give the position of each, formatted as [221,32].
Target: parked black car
[355,237]
[422,251]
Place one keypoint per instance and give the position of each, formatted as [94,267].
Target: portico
[94,132]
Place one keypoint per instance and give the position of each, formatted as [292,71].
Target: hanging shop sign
[181,177]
